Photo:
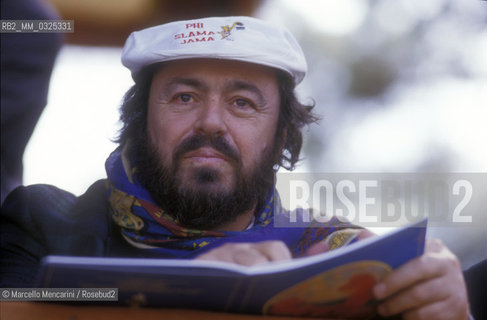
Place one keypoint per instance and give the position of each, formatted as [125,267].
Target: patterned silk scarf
[145,225]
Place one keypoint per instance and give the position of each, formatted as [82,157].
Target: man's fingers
[413,298]
[428,287]
[274,250]
[444,310]
[420,269]
[249,254]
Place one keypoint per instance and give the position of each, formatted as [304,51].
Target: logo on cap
[227,30]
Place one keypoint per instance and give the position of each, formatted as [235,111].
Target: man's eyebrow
[243,85]
[192,82]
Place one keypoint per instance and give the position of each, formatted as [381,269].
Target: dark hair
[293,116]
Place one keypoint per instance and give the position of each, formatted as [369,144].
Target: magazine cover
[337,283]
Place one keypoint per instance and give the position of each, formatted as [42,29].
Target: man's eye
[242,103]
[184,97]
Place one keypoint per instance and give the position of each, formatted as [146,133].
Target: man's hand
[429,287]
[248,254]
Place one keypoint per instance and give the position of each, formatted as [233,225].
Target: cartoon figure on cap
[227,31]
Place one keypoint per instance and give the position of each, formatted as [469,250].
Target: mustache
[198,141]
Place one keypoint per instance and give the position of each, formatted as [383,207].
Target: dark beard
[200,208]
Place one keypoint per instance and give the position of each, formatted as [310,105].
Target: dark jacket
[42,220]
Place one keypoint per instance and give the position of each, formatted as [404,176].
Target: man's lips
[205,154]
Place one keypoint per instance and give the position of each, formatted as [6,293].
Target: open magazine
[337,283]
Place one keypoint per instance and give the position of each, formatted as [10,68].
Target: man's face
[235,103]
[211,128]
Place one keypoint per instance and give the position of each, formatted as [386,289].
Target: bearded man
[211,117]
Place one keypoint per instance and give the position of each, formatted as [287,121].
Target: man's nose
[211,119]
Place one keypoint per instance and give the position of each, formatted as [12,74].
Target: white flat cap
[230,38]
